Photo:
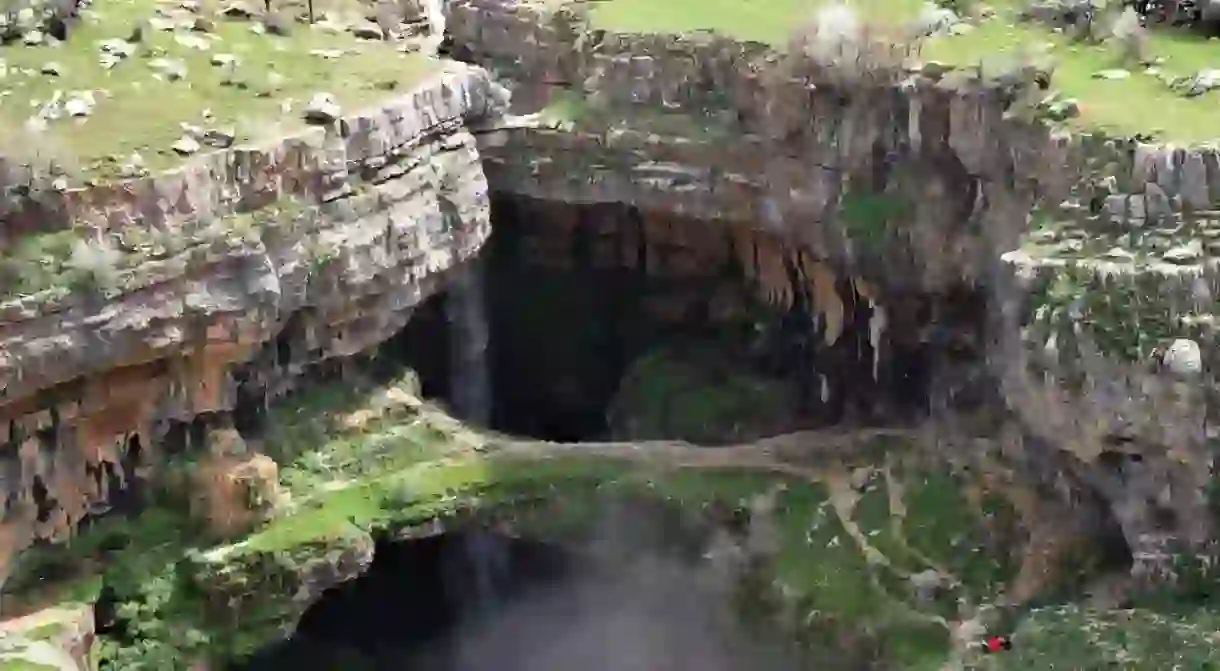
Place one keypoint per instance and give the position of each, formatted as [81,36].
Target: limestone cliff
[246,264]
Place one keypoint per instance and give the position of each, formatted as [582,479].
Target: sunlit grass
[136,112]
[768,21]
[1141,103]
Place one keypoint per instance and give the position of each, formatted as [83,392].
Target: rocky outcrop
[1096,253]
[318,247]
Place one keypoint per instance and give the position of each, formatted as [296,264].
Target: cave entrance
[477,600]
[594,316]
[572,300]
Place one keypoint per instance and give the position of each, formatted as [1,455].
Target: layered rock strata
[317,247]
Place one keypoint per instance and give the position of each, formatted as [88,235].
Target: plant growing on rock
[93,266]
[837,45]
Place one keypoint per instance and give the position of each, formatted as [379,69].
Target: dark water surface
[487,603]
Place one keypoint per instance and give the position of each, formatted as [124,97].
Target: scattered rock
[367,31]
[1113,74]
[236,10]
[327,54]
[133,166]
[161,24]
[224,60]
[120,48]
[52,69]
[186,145]
[322,109]
[929,584]
[1183,358]
[1156,201]
[203,24]
[81,104]
[193,42]
[933,20]
[1200,83]
[277,24]
[171,69]
[328,26]
[1118,254]
[33,38]
[1186,254]
[220,138]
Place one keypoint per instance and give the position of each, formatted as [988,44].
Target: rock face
[916,183]
[315,248]
[863,206]
[57,638]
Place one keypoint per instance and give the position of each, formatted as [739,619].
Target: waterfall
[470,376]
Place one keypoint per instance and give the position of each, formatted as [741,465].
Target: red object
[997,644]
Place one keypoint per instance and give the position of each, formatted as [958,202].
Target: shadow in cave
[575,297]
[481,601]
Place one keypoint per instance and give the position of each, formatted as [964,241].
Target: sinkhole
[481,600]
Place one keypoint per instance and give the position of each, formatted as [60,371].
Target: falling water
[470,376]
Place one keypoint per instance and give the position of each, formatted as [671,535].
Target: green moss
[697,396]
[869,218]
[942,525]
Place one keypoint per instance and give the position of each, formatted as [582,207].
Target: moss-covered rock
[700,397]
[883,555]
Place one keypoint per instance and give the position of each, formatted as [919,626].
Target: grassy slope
[1140,104]
[137,112]
[356,462]
[769,21]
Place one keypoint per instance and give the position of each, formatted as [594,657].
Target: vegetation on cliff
[884,558]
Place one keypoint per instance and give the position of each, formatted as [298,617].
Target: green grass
[767,21]
[1139,104]
[943,526]
[139,113]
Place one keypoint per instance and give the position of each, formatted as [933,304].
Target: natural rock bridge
[922,269]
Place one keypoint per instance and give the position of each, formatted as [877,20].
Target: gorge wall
[849,190]
[889,215]
[315,248]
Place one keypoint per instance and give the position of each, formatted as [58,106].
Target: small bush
[93,266]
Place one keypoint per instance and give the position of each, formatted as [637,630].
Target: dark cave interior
[406,612]
[565,325]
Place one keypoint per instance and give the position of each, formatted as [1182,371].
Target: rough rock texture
[316,248]
[56,638]
[945,190]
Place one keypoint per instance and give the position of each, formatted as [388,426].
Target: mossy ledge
[857,522]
